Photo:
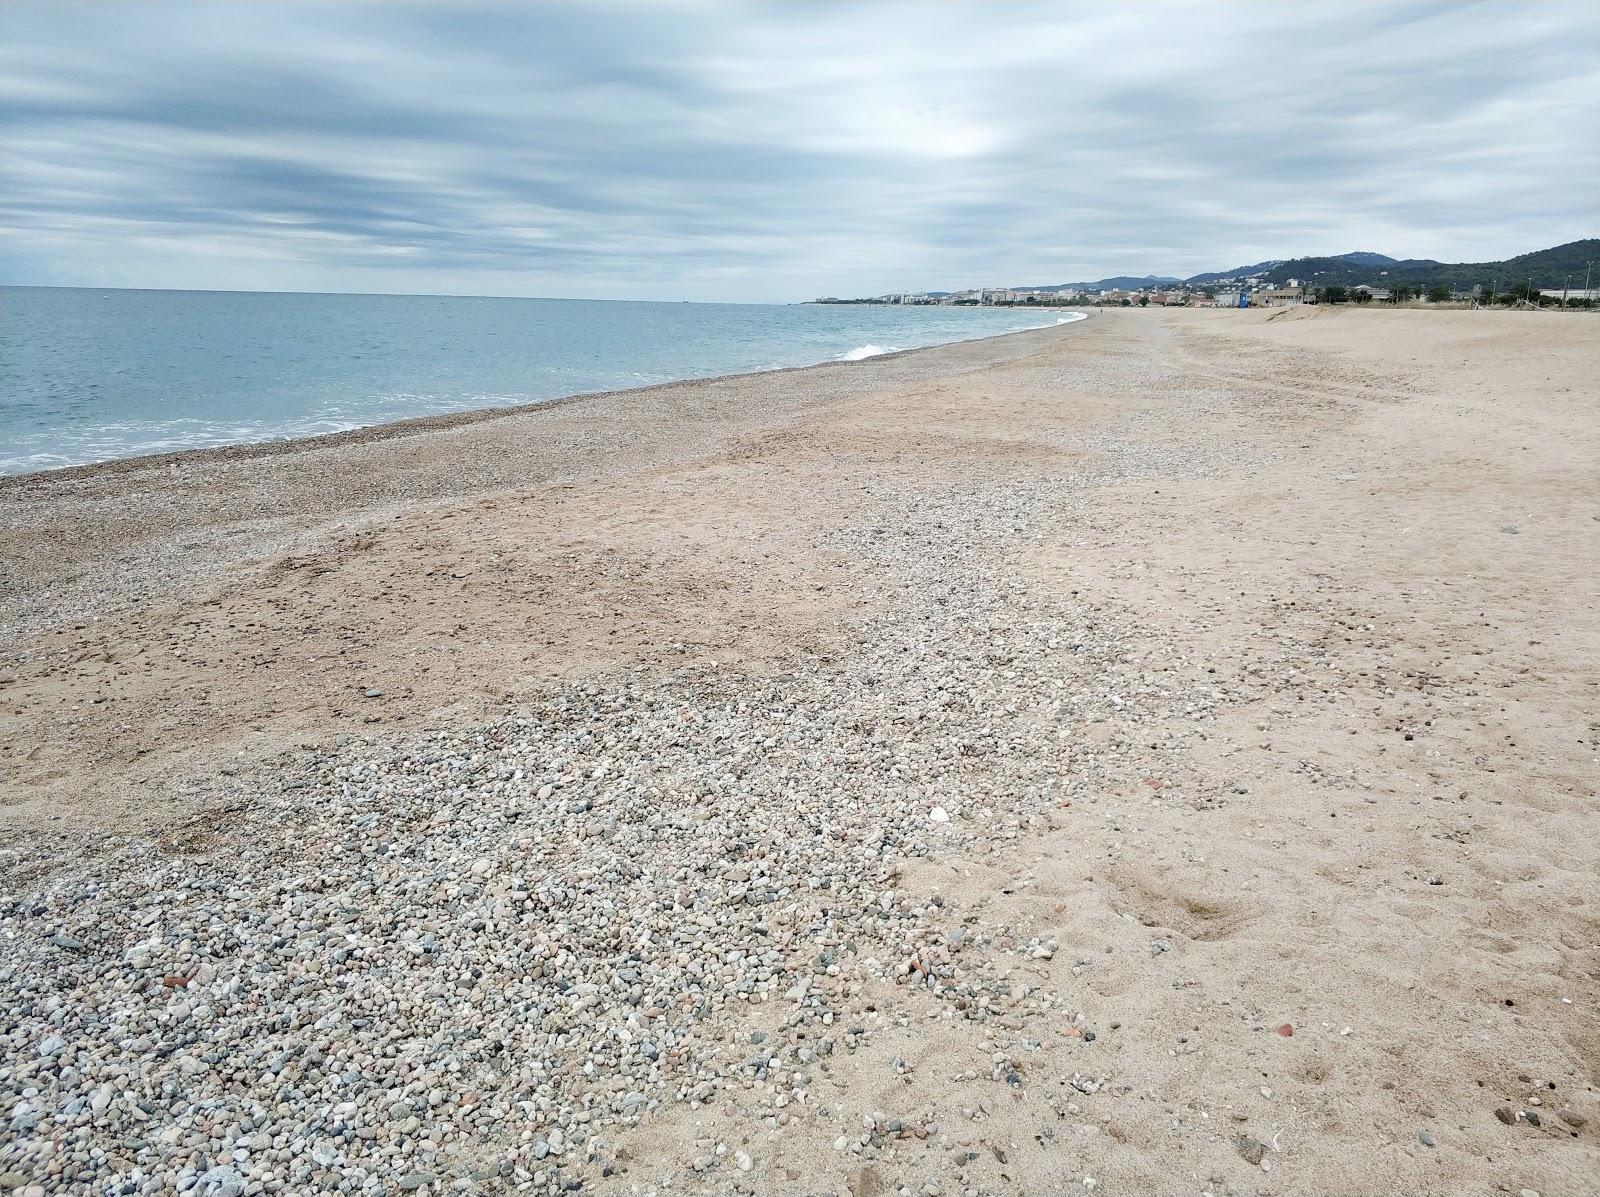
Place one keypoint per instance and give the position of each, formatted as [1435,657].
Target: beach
[1148,755]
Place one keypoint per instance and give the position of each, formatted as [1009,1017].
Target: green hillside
[1546,267]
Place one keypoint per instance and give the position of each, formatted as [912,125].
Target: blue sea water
[89,375]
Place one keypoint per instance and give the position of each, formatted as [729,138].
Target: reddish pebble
[1286,1030]
[175,982]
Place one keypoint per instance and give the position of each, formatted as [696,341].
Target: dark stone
[1252,1151]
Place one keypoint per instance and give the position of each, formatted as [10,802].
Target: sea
[92,375]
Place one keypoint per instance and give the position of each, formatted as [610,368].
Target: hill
[1120,282]
[1238,272]
[1545,267]
[1366,259]
[1279,270]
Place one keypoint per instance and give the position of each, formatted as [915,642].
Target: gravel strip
[460,962]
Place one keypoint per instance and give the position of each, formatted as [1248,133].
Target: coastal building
[1277,297]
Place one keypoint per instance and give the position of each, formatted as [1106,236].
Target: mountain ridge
[1545,267]
[1117,282]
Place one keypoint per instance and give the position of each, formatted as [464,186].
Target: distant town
[1249,294]
[1005,297]
[1561,276]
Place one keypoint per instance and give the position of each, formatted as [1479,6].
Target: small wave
[1072,319]
[862,352]
[114,440]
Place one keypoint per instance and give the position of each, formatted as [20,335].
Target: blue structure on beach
[1244,298]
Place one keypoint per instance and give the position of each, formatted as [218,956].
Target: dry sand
[1376,531]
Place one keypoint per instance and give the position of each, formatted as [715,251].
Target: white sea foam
[862,352]
[126,438]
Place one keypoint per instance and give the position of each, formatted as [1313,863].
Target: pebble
[221,1182]
[494,945]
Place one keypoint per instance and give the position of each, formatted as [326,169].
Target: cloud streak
[721,151]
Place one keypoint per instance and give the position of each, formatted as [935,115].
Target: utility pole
[1565,284]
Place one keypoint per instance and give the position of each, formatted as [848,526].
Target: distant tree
[1400,294]
[1127,303]
[1144,301]
[1439,293]
[1333,293]
[1361,296]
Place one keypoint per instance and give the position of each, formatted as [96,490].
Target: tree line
[1485,293]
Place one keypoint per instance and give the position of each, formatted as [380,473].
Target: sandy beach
[1154,755]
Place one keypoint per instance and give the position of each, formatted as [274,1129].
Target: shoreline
[246,450]
[79,537]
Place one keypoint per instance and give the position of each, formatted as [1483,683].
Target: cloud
[773,152]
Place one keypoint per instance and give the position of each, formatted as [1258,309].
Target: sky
[772,152]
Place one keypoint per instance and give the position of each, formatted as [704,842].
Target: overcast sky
[779,151]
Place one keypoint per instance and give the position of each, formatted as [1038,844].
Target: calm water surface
[90,375]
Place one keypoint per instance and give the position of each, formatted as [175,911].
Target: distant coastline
[1562,272]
